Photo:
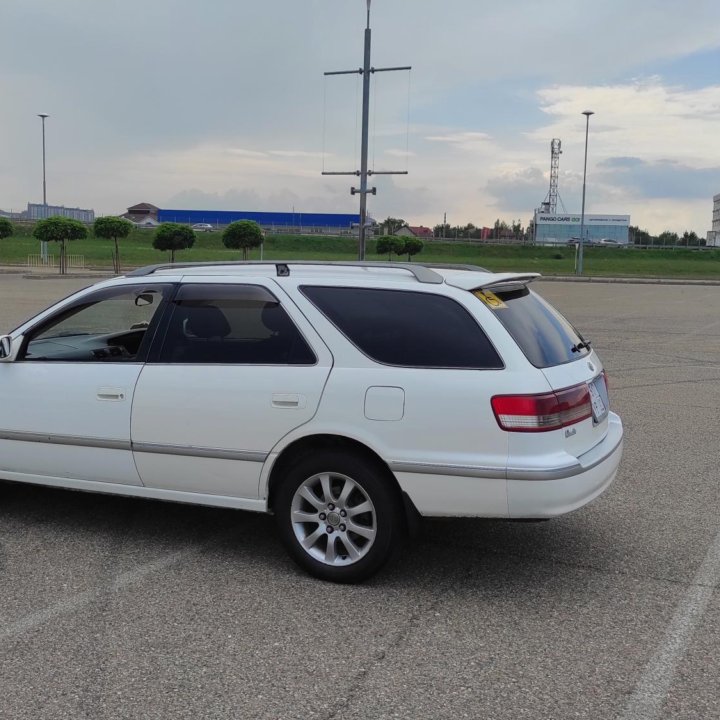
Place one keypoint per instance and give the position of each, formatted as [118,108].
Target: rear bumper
[563,489]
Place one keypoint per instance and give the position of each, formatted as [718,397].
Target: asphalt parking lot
[122,608]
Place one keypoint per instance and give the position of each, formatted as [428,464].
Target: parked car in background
[203,227]
[344,398]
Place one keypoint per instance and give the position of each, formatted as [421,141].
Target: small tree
[60,229]
[243,234]
[392,224]
[668,238]
[690,238]
[112,228]
[413,246]
[389,244]
[173,237]
[6,228]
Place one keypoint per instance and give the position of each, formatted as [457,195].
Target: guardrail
[73,261]
[40,261]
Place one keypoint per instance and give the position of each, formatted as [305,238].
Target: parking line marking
[74,602]
[647,700]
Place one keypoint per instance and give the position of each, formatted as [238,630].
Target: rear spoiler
[512,282]
[491,281]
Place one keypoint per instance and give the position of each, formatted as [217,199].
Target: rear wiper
[582,345]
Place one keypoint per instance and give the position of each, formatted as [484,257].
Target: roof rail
[422,273]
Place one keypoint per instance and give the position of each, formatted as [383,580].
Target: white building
[713,236]
[562,228]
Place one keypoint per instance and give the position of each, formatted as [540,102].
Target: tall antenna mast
[555,153]
[549,205]
[363,172]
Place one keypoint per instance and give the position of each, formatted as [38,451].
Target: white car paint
[211,433]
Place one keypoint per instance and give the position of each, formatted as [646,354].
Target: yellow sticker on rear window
[490,299]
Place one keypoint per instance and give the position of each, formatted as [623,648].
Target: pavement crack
[397,639]
[550,562]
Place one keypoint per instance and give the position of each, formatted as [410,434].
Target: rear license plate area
[599,399]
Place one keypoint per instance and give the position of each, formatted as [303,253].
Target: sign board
[620,220]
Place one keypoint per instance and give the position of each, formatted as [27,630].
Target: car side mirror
[5,347]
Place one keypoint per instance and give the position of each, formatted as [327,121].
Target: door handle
[288,401]
[110,393]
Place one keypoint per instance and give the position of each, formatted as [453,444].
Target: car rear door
[234,370]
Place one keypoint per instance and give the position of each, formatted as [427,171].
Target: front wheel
[338,516]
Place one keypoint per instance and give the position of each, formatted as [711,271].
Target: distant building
[418,231]
[142,214]
[713,236]
[560,229]
[38,211]
[147,214]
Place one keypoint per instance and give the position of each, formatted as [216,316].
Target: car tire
[338,516]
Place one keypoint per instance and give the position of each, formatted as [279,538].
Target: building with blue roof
[327,223]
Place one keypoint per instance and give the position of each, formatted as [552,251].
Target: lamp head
[43,115]
[587,113]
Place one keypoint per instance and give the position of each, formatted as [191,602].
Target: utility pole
[587,114]
[363,173]
[43,245]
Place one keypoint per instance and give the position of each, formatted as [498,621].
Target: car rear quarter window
[406,328]
[542,333]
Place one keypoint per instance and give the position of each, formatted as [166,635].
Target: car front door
[235,371]
[67,396]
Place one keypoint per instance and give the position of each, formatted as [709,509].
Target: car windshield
[542,333]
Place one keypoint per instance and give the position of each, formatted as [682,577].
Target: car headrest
[275,319]
[206,321]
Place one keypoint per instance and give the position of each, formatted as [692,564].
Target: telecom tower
[549,206]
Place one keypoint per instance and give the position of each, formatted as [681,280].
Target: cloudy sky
[223,104]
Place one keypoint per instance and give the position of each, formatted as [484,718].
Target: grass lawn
[137,250]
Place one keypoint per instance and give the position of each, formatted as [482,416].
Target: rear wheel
[338,516]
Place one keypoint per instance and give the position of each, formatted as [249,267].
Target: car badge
[591,367]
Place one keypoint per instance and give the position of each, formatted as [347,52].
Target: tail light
[542,413]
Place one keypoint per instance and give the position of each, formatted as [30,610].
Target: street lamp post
[43,245]
[587,114]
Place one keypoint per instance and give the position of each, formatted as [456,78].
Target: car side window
[110,325]
[232,324]
[406,328]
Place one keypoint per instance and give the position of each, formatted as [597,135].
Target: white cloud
[463,140]
[149,110]
[645,118]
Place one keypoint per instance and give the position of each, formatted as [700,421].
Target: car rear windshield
[540,331]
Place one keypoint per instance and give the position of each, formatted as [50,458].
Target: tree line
[666,238]
[500,230]
[515,231]
[171,237]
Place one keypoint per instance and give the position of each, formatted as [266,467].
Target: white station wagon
[345,398]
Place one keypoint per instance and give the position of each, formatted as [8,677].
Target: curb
[627,280]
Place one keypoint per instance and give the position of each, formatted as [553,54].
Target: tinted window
[111,325]
[410,329]
[242,324]
[542,333]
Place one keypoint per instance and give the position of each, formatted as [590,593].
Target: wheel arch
[311,444]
